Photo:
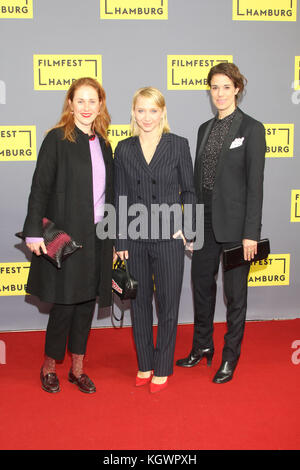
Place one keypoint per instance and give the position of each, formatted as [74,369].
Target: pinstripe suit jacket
[167,179]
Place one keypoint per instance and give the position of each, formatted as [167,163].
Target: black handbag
[123,284]
[234,257]
[58,243]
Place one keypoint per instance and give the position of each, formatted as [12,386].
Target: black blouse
[213,147]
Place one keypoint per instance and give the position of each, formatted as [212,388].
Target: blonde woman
[153,167]
[73,180]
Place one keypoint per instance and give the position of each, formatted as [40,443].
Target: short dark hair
[231,71]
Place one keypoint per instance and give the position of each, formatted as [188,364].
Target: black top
[213,147]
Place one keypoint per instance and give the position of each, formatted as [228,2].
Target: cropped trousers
[69,324]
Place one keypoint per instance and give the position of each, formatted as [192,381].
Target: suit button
[139,197]
[138,181]
[153,196]
[153,181]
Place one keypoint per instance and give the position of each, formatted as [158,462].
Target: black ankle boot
[195,357]
[225,372]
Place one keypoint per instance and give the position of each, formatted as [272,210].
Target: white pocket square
[237,142]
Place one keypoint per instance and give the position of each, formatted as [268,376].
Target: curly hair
[231,71]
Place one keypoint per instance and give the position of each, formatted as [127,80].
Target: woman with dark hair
[228,175]
[72,181]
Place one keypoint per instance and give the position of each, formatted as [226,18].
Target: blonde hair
[159,100]
[101,122]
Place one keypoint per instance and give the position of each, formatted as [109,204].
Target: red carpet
[258,409]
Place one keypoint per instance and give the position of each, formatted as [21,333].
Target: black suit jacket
[167,179]
[238,189]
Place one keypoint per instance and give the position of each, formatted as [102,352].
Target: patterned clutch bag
[58,243]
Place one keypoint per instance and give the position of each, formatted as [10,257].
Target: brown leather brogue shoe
[50,382]
[83,382]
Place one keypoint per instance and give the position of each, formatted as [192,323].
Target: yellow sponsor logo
[134,9]
[117,132]
[264,10]
[189,72]
[16,9]
[279,140]
[297,73]
[13,278]
[295,205]
[17,143]
[58,72]
[272,271]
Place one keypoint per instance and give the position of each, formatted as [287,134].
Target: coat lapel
[104,148]
[137,150]
[198,162]
[84,158]
[228,139]
[205,137]
[107,157]
[160,151]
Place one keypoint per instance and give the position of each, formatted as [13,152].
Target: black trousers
[156,265]
[69,325]
[205,266]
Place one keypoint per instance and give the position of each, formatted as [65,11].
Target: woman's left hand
[189,246]
[115,256]
[179,234]
[250,249]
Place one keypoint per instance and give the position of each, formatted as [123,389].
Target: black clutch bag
[58,243]
[123,284]
[234,257]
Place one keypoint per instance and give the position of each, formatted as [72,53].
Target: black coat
[238,189]
[62,191]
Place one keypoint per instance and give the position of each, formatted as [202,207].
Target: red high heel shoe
[139,381]
[154,388]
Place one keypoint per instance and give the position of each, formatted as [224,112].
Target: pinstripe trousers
[158,264]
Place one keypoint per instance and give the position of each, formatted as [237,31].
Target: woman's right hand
[123,254]
[38,248]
